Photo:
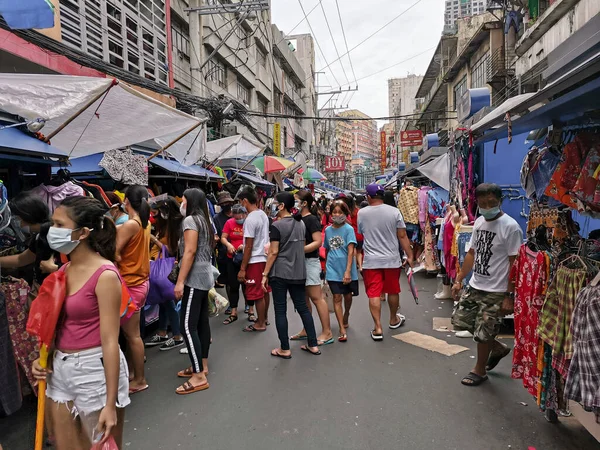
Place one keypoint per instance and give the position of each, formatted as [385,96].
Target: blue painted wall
[504,168]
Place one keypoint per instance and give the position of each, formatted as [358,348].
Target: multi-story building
[401,97]
[356,136]
[456,9]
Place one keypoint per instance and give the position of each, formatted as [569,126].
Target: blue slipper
[327,342]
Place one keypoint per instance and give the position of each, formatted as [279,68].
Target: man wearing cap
[225,201]
[382,225]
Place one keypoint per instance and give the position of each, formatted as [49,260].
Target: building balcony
[288,59]
[499,69]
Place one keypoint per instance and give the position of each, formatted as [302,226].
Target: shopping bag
[161,288]
[110,444]
[217,304]
[328,295]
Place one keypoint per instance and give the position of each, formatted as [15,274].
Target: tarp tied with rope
[108,114]
[237,146]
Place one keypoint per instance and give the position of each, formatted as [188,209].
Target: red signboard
[411,138]
[383,151]
[335,164]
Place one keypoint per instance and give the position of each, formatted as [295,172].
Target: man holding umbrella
[381,225]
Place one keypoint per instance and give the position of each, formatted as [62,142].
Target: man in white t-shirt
[256,238]
[382,227]
[494,246]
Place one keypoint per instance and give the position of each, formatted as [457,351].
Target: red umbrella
[42,320]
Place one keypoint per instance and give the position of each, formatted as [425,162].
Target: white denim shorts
[79,378]
[313,272]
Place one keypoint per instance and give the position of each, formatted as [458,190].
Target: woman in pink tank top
[88,386]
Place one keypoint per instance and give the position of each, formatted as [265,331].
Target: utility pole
[197,44]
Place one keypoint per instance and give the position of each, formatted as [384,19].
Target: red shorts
[381,281]
[254,275]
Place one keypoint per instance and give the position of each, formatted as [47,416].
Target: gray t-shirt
[201,273]
[291,235]
[379,225]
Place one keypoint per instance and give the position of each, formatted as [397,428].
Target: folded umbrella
[411,284]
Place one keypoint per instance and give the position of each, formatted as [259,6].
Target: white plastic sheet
[237,146]
[438,171]
[189,149]
[118,119]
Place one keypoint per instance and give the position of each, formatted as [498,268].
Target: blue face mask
[121,220]
[490,213]
[240,221]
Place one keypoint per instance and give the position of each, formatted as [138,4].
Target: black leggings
[233,285]
[194,325]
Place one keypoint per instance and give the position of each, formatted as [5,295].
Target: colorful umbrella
[312,175]
[271,164]
[411,284]
[382,181]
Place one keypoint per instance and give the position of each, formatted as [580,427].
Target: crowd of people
[289,246]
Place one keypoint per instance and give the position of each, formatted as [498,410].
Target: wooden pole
[78,113]
[181,136]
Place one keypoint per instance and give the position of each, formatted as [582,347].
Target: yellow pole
[41,409]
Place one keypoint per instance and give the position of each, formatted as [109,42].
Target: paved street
[358,395]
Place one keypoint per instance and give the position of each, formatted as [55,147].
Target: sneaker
[170,344]
[156,340]
[184,351]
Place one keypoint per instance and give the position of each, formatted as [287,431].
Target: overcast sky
[416,32]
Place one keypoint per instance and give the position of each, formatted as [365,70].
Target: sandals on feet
[305,348]
[343,338]
[298,337]
[189,388]
[185,373]
[252,318]
[276,353]
[376,337]
[230,320]
[327,342]
[494,359]
[250,329]
[472,379]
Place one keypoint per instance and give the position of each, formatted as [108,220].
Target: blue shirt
[336,242]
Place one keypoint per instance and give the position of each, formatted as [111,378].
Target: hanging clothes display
[126,167]
[53,195]
[408,204]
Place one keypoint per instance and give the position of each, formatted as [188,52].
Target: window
[263,106]
[217,73]
[261,57]
[459,89]
[479,72]
[243,93]
[181,42]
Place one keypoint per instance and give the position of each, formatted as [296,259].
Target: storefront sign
[410,138]
[277,139]
[383,151]
[335,164]
[472,101]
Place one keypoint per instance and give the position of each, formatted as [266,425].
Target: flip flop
[250,329]
[475,379]
[376,337]
[327,342]
[252,318]
[298,337]
[304,348]
[401,319]
[279,355]
[189,388]
[185,373]
[493,360]
[343,338]
[138,389]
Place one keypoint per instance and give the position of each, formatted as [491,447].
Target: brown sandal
[189,388]
[185,373]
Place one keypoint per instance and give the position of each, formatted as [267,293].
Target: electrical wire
[345,40]
[342,119]
[333,40]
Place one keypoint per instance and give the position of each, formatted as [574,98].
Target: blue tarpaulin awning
[27,14]
[15,141]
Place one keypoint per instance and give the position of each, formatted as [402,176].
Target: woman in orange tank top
[133,256]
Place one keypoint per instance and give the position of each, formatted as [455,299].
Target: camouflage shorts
[477,311]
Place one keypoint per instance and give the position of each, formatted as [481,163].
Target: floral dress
[530,276]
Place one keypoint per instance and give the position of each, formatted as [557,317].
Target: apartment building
[356,136]
[401,97]
[456,9]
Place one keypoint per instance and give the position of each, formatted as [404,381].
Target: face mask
[182,210]
[490,213]
[165,216]
[226,209]
[338,220]
[240,221]
[59,239]
[298,205]
[274,210]
[25,229]
[121,220]
[123,208]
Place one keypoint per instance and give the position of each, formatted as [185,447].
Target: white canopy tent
[238,146]
[92,115]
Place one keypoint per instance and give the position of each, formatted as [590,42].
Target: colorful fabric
[432,262]
[422,197]
[437,199]
[408,204]
[557,311]
[449,260]
[529,275]
[583,379]
[567,172]
[588,185]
